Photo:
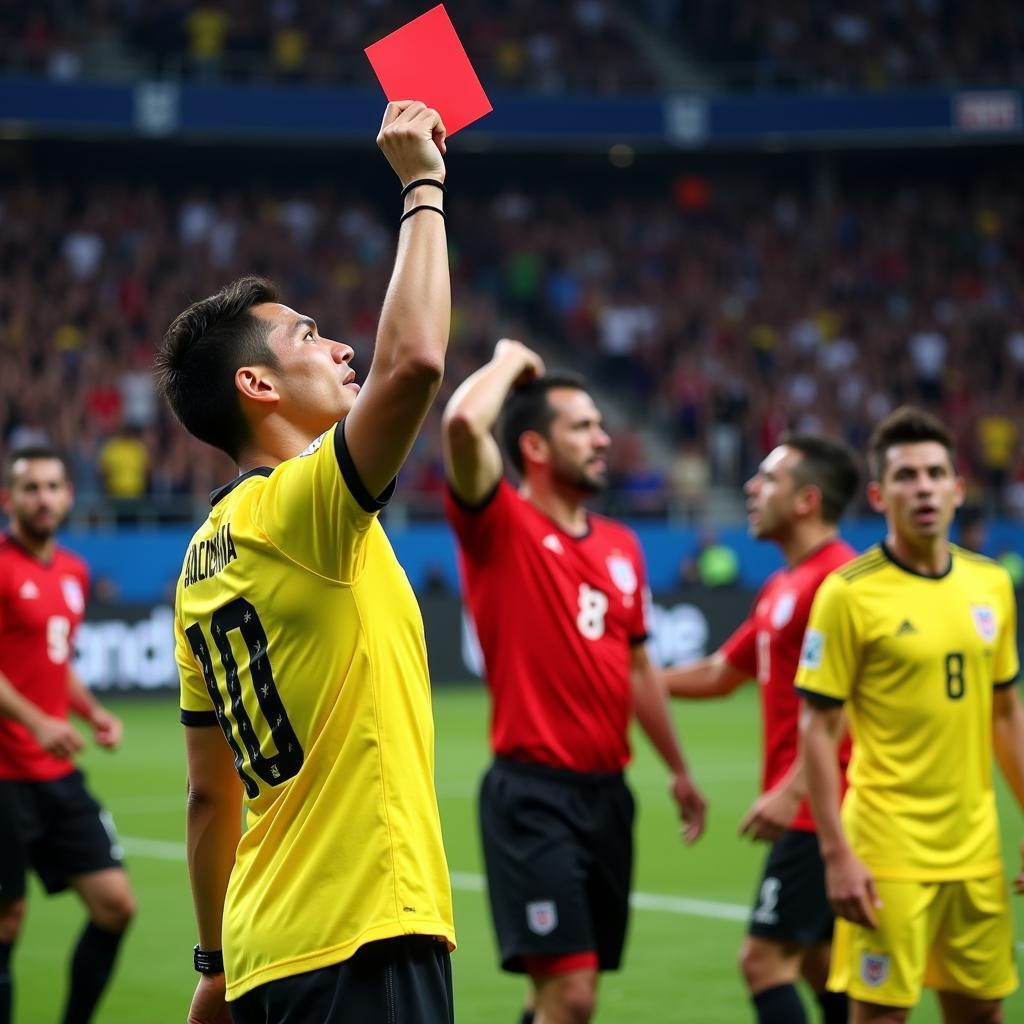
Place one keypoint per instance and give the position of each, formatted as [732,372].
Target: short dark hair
[905,425]
[527,408]
[829,464]
[203,348]
[34,451]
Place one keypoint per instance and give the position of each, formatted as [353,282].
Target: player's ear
[807,499]
[534,446]
[960,493]
[257,383]
[875,499]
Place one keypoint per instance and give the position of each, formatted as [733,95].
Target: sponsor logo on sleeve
[813,650]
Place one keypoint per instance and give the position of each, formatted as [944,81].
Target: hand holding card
[424,60]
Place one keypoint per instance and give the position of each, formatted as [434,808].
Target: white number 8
[58,635]
[593,606]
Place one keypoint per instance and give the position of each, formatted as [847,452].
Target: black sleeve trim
[1006,683]
[367,502]
[636,641]
[819,700]
[198,718]
[474,507]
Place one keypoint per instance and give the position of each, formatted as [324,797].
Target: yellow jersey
[915,659]
[298,633]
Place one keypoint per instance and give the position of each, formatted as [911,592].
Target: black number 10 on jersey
[275,768]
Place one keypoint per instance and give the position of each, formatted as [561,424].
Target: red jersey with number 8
[767,647]
[556,617]
[41,605]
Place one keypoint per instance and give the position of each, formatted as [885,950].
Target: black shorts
[791,904]
[55,827]
[406,980]
[558,846]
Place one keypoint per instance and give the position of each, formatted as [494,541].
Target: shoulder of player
[975,560]
[605,526]
[68,561]
[873,560]
[982,568]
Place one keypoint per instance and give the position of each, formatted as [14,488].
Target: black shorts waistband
[547,771]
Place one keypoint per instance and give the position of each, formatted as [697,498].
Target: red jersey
[767,647]
[41,605]
[556,616]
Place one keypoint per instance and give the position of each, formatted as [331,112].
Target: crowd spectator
[528,45]
[759,313]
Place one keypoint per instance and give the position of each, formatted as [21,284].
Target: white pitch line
[163,849]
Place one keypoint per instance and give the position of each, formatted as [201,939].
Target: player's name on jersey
[207,557]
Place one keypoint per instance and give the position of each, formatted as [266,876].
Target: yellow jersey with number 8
[914,660]
[299,635]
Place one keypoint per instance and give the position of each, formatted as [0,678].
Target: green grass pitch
[680,961]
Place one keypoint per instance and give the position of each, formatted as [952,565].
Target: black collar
[223,492]
[913,572]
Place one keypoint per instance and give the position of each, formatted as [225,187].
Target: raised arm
[472,458]
[412,336]
[713,676]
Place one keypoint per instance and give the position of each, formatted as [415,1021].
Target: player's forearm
[1008,740]
[651,710]
[412,336]
[709,677]
[820,733]
[477,402]
[82,702]
[13,705]
[213,828]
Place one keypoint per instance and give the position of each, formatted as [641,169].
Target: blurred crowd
[514,44]
[713,319]
[593,46]
[874,44]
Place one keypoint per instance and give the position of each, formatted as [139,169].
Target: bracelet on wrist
[416,209]
[208,961]
[423,181]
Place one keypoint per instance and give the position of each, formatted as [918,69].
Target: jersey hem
[474,507]
[336,954]
[986,869]
[198,718]
[821,699]
[367,502]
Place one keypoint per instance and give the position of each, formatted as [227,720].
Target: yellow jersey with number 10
[299,635]
[915,659]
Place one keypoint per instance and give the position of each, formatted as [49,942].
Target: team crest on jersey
[984,621]
[542,916]
[313,446]
[623,573]
[73,596]
[814,649]
[784,608]
[874,968]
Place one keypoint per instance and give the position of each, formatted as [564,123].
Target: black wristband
[416,209]
[423,181]
[208,961]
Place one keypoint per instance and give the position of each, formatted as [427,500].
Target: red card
[425,60]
